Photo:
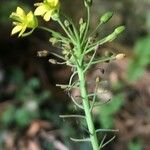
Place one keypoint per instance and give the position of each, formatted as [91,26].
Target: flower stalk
[86,106]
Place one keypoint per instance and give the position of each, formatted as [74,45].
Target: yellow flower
[22,21]
[47,9]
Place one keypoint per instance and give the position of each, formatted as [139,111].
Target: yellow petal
[23,30]
[32,21]
[20,12]
[30,16]
[15,16]
[48,15]
[16,29]
[53,3]
[39,11]
[56,2]
[38,4]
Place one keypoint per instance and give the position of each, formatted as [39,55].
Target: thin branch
[87,25]
[103,60]
[80,106]
[99,104]
[72,76]
[108,38]
[108,142]
[94,97]
[80,140]
[57,55]
[74,27]
[53,32]
[95,30]
[107,130]
[102,141]
[72,116]
[66,31]
[91,60]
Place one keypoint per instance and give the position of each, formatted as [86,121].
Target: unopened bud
[64,52]
[119,30]
[66,22]
[52,61]
[120,56]
[97,79]
[81,21]
[88,3]
[55,16]
[42,53]
[53,40]
[106,17]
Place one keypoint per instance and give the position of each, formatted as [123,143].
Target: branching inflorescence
[76,44]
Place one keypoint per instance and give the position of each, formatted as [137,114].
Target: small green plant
[79,47]
[27,99]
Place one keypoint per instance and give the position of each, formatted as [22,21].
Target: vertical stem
[86,105]
[87,25]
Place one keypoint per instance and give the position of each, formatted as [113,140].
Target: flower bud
[119,30]
[42,53]
[55,16]
[81,21]
[67,23]
[53,40]
[52,61]
[106,17]
[97,79]
[120,56]
[88,3]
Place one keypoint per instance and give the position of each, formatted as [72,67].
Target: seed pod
[97,79]
[120,56]
[52,61]
[106,17]
[53,40]
[66,22]
[42,53]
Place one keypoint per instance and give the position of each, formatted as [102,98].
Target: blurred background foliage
[30,103]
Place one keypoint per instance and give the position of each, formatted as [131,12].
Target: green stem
[74,27]
[95,30]
[52,32]
[109,38]
[66,31]
[86,105]
[87,26]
